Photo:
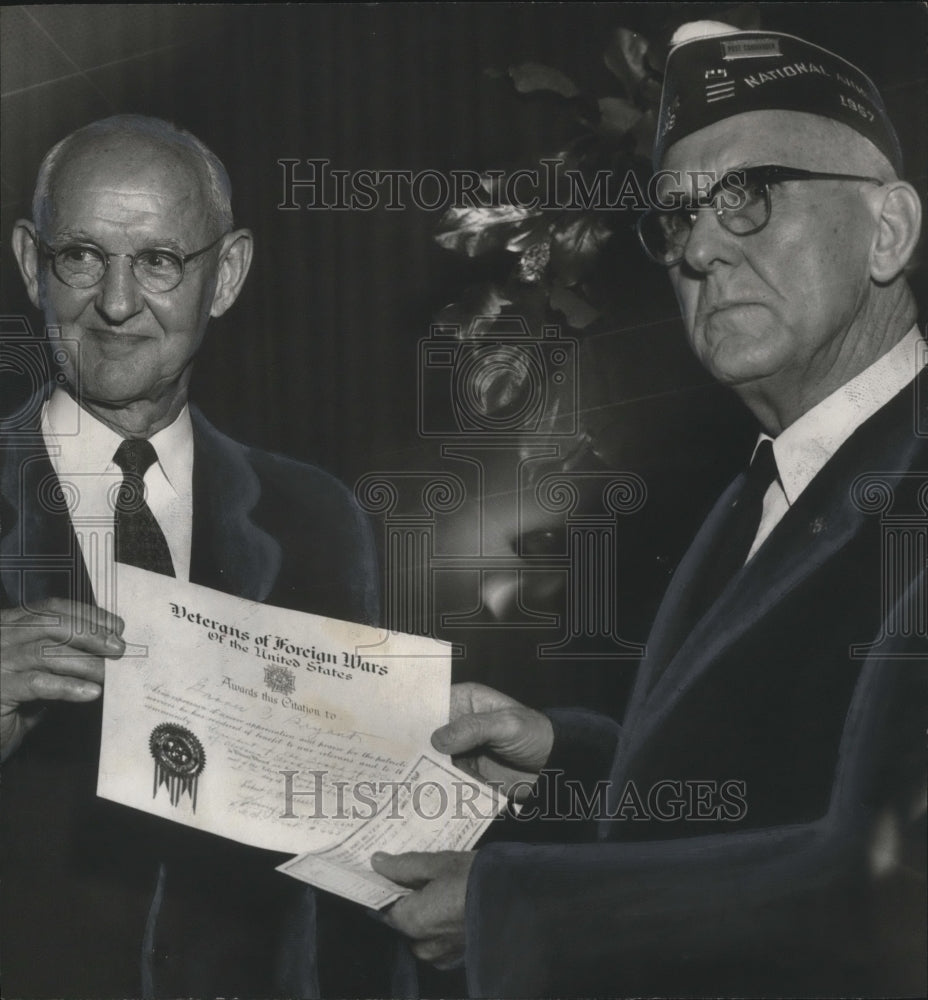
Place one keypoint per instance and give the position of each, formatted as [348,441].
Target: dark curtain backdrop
[319,358]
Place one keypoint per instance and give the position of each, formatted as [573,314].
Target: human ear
[898,228]
[26,252]
[234,264]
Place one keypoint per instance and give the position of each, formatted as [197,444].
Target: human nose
[119,295]
[709,243]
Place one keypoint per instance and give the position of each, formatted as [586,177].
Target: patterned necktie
[139,538]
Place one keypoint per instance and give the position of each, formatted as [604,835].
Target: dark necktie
[139,538]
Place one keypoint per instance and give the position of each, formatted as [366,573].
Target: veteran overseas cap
[715,71]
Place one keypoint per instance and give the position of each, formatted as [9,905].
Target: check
[283,730]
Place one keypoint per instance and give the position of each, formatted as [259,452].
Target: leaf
[577,311]
[576,246]
[487,299]
[624,57]
[617,115]
[528,234]
[529,77]
[638,62]
[477,229]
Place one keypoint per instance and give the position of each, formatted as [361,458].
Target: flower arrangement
[563,251]
[554,243]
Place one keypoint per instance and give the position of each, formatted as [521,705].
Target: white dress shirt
[81,450]
[806,445]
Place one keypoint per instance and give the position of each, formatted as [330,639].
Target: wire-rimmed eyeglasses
[740,200]
[83,265]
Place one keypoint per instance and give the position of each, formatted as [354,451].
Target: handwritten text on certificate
[281,730]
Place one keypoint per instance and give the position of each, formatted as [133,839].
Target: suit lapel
[229,552]
[667,635]
[39,554]
[820,524]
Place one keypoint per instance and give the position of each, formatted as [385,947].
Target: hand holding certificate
[285,731]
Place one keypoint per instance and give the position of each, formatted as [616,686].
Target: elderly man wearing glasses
[131,250]
[757,821]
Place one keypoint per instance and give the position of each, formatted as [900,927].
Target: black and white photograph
[464,500]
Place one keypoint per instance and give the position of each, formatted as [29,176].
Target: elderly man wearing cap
[758,822]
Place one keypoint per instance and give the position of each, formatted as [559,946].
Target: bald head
[130,254]
[136,143]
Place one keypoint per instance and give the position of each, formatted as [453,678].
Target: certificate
[283,730]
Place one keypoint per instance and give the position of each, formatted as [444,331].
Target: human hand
[514,742]
[53,652]
[432,917]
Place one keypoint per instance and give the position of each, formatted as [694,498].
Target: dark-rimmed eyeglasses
[83,265]
[740,200]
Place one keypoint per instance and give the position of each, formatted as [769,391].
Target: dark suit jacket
[818,888]
[79,873]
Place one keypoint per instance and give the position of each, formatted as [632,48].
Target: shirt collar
[85,444]
[174,446]
[806,445]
